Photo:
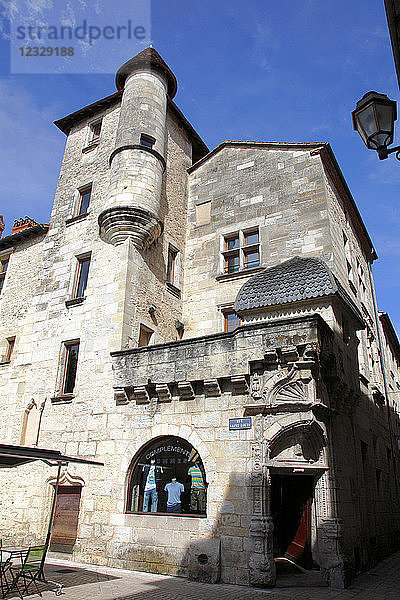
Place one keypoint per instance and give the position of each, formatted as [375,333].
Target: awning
[13,456]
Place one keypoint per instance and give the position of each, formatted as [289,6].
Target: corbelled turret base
[119,223]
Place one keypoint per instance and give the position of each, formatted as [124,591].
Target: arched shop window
[167,476]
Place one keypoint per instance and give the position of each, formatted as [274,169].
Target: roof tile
[293,280]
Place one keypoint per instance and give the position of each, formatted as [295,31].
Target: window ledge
[76,219]
[62,399]
[172,289]
[4,362]
[90,146]
[238,274]
[75,301]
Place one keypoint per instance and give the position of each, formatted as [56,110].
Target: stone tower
[137,163]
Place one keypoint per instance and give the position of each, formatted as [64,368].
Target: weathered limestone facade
[312,371]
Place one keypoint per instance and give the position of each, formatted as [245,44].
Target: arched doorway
[297,460]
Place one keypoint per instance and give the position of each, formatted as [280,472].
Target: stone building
[204,317]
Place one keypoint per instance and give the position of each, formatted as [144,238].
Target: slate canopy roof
[294,280]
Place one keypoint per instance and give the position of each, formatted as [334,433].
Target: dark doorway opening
[66,517]
[291,501]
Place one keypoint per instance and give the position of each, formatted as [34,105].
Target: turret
[137,163]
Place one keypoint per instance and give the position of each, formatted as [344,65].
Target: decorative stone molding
[261,561]
[163,392]
[301,443]
[141,149]
[291,423]
[186,391]
[120,223]
[67,478]
[212,388]
[292,385]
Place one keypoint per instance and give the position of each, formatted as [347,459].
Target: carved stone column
[261,561]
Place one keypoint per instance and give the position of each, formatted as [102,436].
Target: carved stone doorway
[65,524]
[291,501]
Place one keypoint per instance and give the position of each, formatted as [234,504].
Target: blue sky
[261,70]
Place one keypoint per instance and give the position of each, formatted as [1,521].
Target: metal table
[12,553]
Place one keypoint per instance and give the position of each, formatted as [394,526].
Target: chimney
[22,224]
[2,226]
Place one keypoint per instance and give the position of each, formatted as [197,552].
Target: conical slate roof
[149,59]
[293,280]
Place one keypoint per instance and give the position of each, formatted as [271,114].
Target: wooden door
[66,517]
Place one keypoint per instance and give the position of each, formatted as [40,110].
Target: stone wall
[24,267]
[280,191]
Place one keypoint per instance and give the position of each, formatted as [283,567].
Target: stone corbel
[211,387]
[271,356]
[141,395]
[186,391]
[120,396]
[239,384]
[290,354]
[163,392]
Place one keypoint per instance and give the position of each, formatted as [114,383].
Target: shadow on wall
[333,523]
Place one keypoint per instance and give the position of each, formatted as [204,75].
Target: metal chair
[5,568]
[30,570]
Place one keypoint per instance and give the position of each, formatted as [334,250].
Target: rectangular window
[145,334]
[251,259]
[70,367]
[95,129]
[231,320]
[174,271]
[147,140]
[171,266]
[84,199]
[232,242]
[232,263]
[251,238]
[345,330]
[10,348]
[241,251]
[3,271]
[81,277]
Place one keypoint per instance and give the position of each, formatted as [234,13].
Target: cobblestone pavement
[84,582]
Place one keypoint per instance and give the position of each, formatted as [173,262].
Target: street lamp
[374,118]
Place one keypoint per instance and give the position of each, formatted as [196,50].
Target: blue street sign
[242,423]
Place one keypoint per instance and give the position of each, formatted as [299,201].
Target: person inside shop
[197,490]
[174,490]
[152,478]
